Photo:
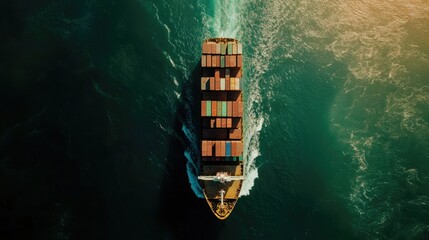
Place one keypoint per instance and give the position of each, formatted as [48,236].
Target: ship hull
[221,167]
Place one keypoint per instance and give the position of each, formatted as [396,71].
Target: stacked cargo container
[221,101]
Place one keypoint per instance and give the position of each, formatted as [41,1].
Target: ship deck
[231,189]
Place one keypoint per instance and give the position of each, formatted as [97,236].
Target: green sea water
[98,116]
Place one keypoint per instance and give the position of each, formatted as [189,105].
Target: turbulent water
[98,121]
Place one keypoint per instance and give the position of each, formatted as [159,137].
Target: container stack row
[221,61]
[221,148]
[221,108]
[222,55]
[220,48]
[219,122]
[220,84]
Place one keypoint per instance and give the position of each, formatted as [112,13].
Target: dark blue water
[97,121]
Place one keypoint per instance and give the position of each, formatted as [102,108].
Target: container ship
[221,167]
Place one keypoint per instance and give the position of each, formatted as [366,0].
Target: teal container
[209,108]
[229,49]
[223,108]
[223,49]
[228,149]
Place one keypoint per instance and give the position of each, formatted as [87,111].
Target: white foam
[175,81]
[177,94]
[371,39]
[173,64]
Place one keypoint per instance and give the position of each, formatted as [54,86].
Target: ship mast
[222,193]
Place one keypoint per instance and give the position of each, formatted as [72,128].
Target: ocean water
[97,119]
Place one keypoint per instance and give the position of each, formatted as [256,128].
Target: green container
[209,108]
[240,158]
[219,108]
[223,108]
[229,48]
[222,61]
[223,49]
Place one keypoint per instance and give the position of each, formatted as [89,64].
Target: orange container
[203,108]
[209,60]
[214,108]
[212,122]
[229,108]
[217,146]
[209,149]
[218,123]
[240,109]
[212,83]
[214,62]
[222,149]
[229,123]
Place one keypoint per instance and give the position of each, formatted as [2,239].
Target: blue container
[228,149]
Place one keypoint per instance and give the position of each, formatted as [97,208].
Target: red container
[239,61]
